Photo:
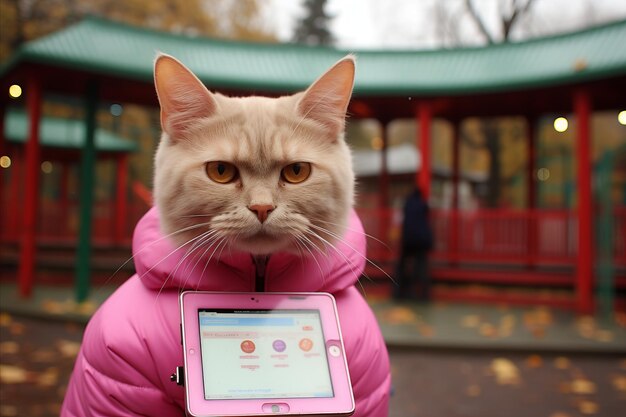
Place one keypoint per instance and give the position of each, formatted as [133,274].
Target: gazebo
[579,72]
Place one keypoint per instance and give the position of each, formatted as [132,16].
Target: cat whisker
[361,232]
[339,238]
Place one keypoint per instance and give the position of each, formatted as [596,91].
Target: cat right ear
[182,96]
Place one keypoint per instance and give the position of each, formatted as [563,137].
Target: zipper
[260,262]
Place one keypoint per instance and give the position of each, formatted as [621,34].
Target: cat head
[253,174]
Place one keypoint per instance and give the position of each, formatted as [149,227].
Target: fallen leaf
[399,315]
[8,410]
[534,361]
[473,390]
[9,348]
[619,382]
[507,321]
[44,355]
[604,336]
[470,321]
[5,319]
[48,378]
[488,330]
[583,386]
[561,362]
[505,371]
[68,348]
[10,374]
[588,407]
[426,330]
[16,329]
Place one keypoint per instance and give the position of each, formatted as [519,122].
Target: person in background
[417,239]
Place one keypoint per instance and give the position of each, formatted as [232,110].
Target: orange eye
[296,173]
[221,172]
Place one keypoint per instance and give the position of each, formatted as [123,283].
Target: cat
[251,193]
[255,174]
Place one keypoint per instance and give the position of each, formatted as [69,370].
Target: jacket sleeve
[129,349]
[368,359]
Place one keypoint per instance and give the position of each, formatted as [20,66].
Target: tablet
[259,354]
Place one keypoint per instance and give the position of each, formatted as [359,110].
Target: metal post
[87,168]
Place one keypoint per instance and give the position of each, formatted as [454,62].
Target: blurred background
[509,115]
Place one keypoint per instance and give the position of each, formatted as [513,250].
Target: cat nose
[261,210]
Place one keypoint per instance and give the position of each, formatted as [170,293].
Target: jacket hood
[160,265]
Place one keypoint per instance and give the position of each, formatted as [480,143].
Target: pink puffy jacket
[132,343]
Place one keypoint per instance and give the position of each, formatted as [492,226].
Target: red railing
[58,223]
[521,238]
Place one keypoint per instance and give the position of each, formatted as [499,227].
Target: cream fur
[260,136]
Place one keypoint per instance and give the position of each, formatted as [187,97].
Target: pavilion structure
[577,73]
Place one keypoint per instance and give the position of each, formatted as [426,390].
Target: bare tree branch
[479,22]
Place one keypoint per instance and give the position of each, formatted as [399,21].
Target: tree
[509,13]
[313,28]
[25,20]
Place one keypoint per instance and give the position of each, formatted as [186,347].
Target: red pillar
[383,194]
[454,208]
[424,116]
[121,205]
[64,197]
[26,271]
[584,283]
[4,150]
[531,196]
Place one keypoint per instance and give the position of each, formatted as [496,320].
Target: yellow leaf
[619,382]
[561,363]
[12,374]
[473,390]
[5,319]
[9,348]
[534,361]
[399,315]
[470,321]
[49,378]
[68,348]
[588,407]
[8,410]
[583,386]
[505,371]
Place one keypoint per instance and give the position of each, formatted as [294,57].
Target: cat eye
[221,172]
[296,172]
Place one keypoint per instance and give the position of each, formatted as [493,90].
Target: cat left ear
[182,96]
[326,100]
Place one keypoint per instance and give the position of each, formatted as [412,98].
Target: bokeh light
[621,117]
[561,124]
[543,174]
[5,161]
[15,91]
[116,109]
[46,167]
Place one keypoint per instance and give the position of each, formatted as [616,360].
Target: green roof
[62,133]
[108,47]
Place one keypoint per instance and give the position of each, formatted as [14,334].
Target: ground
[37,357]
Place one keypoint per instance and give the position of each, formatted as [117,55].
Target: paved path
[37,356]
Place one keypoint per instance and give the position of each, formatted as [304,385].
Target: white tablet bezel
[342,403]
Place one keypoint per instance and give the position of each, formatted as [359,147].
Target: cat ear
[326,100]
[182,96]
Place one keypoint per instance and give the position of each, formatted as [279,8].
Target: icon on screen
[279,345]
[306,344]
[248,346]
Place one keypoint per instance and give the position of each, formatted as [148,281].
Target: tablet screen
[250,354]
